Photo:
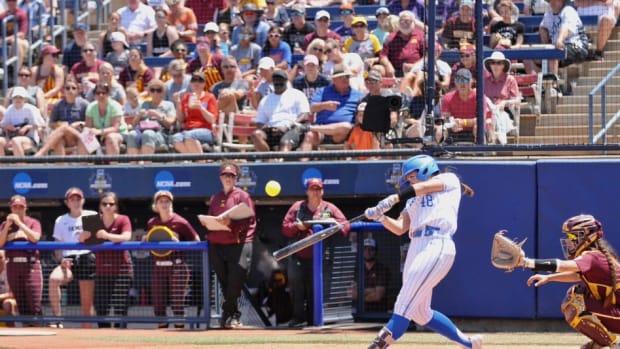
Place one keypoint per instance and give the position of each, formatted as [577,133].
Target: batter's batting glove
[373,213]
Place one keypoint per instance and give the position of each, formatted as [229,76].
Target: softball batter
[430,217]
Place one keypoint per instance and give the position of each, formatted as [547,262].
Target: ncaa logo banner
[26,183]
[176,182]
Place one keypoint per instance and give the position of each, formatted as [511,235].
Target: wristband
[549,265]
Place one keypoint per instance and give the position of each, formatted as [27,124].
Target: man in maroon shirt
[295,226]
[22,30]
[230,251]
[403,46]
[322,31]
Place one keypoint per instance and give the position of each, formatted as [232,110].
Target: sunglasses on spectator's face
[88,50]
[323,19]
[101,93]
[496,62]
[156,90]
[196,80]
[296,14]
[461,80]
[318,49]
[249,13]
[274,35]
[108,204]
[346,12]
[24,75]
[359,26]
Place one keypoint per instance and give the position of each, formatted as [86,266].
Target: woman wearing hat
[23,267]
[74,264]
[49,75]
[230,251]
[366,45]
[502,88]
[21,125]
[170,276]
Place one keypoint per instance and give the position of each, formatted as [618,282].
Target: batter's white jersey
[68,229]
[439,210]
[431,251]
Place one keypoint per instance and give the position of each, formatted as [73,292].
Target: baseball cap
[382,11]
[266,63]
[118,37]
[370,242]
[165,193]
[314,183]
[298,8]
[19,91]
[359,19]
[18,200]
[311,59]
[198,75]
[281,74]
[49,50]
[468,3]
[211,27]
[229,169]
[322,14]
[463,73]
[340,70]
[74,191]
[374,75]
[81,26]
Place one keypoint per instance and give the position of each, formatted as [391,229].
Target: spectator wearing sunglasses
[247,53]
[251,18]
[277,49]
[178,82]
[66,121]
[347,13]
[467,60]
[294,34]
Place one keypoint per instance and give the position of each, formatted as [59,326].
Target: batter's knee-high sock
[441,324]
[398,325]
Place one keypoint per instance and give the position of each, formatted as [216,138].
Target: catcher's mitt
[506,254]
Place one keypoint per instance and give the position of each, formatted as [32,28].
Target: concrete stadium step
[572,130]
[612,106]
[584,90]
[582,99]
[593,80]
[599,72]
[564,119]
[605,64]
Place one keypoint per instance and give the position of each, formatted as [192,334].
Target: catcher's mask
[581,231]
[424,164]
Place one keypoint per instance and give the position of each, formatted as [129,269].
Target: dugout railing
[197,307]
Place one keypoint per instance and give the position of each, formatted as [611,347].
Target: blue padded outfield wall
[528,198]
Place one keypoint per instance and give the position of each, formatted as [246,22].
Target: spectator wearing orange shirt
[184,19]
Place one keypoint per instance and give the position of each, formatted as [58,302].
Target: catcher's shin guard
[383,339]
[574,310]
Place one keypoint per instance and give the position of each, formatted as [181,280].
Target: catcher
[590,306]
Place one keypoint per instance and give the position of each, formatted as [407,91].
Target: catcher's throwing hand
[538,280]
[506,254]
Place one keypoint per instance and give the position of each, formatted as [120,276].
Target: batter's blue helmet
[424,164]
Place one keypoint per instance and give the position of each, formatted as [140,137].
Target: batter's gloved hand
[373,213]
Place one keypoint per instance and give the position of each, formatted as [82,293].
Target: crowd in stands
[220,57]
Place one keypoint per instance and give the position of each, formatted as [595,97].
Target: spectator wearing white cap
[21,124]
[266,66]
[295,33]
[183,19]
[322,31]
[312,79]
[158,42]
[137,19]
[119,56]
[211,31]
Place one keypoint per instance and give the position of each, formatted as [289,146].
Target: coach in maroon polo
[23,267]
[230,251]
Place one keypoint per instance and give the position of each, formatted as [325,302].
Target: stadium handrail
[602,87]
[6,61]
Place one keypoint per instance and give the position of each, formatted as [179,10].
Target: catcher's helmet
[581,231]
[424,164]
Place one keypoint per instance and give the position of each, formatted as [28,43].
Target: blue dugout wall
[529,198]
